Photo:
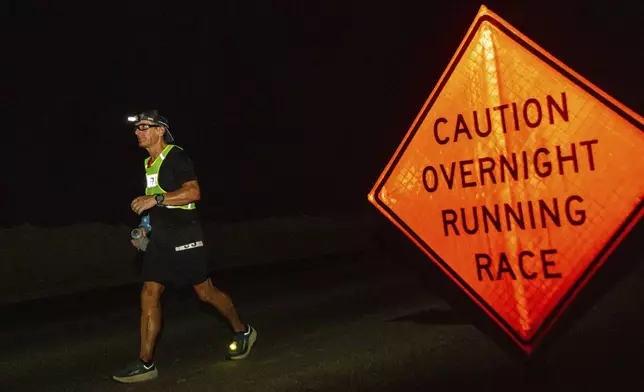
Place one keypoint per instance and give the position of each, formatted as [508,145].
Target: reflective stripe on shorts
[189,246]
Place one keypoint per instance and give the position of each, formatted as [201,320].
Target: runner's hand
[143,203]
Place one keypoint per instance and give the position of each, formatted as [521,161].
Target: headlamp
[155,117]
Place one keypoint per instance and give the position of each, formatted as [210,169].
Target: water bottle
[141,240]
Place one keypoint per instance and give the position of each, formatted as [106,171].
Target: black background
[286,107]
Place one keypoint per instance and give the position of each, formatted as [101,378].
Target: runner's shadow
[434,317]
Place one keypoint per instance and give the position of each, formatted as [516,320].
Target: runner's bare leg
[150,318]
[222,302]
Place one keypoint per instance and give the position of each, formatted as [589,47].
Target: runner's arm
[188,193]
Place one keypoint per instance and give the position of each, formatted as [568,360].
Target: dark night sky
[287,107]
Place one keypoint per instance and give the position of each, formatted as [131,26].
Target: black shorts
[176,256]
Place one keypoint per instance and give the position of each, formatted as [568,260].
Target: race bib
[153,180]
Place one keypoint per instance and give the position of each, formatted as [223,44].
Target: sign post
[518,178]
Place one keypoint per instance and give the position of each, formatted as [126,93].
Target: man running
[176,252]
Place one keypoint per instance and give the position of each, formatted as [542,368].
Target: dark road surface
[337,323]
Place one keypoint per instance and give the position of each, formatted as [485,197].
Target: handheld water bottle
[141,240]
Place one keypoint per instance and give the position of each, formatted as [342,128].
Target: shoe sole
[251,342]
[138,378]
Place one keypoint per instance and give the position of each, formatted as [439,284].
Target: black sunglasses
[145,127]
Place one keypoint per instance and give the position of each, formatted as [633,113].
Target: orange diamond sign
[518,178]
